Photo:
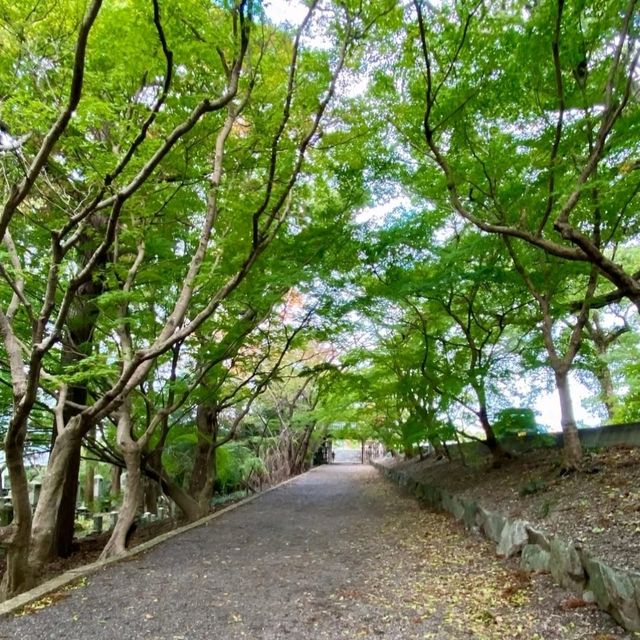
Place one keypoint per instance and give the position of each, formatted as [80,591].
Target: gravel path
[337,553]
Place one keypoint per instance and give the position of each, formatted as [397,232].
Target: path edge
[64,579]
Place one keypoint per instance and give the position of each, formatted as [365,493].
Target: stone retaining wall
[615,591]
[610,435]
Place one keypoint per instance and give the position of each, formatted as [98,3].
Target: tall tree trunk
[602,370]
[438,449]
[116,475]
[66,517]
[497,451]
[17,576]
[66,514]
[603,374]
[203,472]
[77,346]
[148,496]
[561,362]
[151,487]
[602,340]
[572,444]
[45,517]
[186,503]
[133,494]
[189,507]
[205,493]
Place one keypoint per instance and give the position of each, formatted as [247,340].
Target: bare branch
[555,47]
[19,192]
[16,283]
[283,122]
[59,410]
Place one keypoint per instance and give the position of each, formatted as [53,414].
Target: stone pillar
[6,513]
[97,523]
[98,487]
[123,481]
[6,480]
[34,493]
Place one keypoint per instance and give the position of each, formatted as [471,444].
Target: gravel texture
[338,553]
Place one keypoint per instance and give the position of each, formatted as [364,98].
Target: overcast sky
[292,11]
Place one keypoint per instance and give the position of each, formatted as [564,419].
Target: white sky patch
[148,95]
[291,11]
[453,226]
[10,143]
[377,214]
[354,85]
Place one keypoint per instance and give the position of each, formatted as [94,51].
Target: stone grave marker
[97,523]
[34,492]
[6,480]
[6,513]
[98,487]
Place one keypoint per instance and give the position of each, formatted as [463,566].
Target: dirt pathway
[338,553]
